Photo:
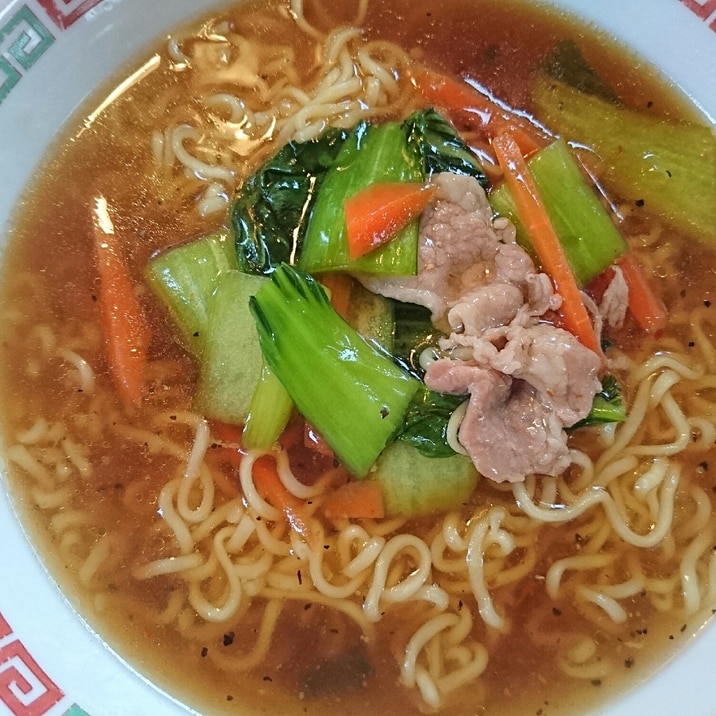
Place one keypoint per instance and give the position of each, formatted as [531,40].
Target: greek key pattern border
[705,10]
[27,34]
[25,688]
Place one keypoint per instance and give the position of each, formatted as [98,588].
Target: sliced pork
[615,300]
[526,379]
[457,251]
[508,430]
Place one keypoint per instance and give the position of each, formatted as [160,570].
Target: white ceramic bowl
[53,54]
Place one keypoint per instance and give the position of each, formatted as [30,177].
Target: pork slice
[485,307]
[456,251]
[513,264]
[450,376]
[615,300]
[562,371]
[507,430]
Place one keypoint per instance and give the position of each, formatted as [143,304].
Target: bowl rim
[58,642]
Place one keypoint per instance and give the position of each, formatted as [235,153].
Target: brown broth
[500,44]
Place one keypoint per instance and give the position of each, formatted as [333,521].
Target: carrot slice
[377,213]
[228,448]
[124,323]
[355,500]
[270,487]
[573,314]
[339,286]
[476,110]
[226,432]
[647,309]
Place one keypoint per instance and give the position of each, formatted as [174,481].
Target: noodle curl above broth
[344,369]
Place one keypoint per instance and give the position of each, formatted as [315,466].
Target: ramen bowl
[54,56]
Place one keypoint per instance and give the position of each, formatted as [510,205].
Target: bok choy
[355,395]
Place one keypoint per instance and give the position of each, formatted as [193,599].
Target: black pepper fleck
[629,662]
[556,612]
[228,638]
[707,303]
[384,412]
[204,651]
[298,575]
[639,202]
[268,678]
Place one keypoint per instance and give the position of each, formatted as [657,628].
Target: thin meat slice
[457,250]
[527,379]
[555,364]
[507,430]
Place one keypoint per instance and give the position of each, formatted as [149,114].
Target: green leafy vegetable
[269,411]
[414,332]
[231,361]
[184,278]
[426,421]
[590,240]
[568,64]
[414,484]
[440,147]
[667,167]
[608,405]
[351,392]
[372,153]
[372,316]
[269,212]
[291,209]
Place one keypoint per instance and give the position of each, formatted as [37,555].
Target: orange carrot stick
[573,314]
[339,286]
[124,323]
[476,110]
[355,500]
[377,213]
[228,448]
[270,487]
[647,309]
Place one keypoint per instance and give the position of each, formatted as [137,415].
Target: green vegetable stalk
[355,395]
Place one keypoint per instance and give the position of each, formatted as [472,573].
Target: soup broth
[91,479]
